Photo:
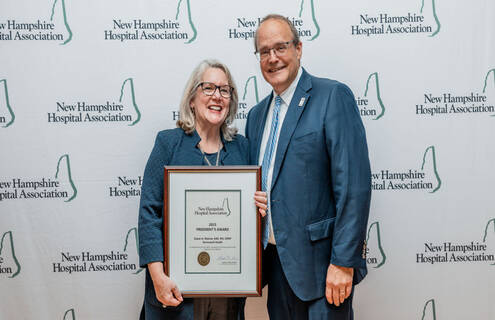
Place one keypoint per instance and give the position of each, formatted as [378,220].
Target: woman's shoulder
[168,138]
[239,139]
[239,144]
[168,134]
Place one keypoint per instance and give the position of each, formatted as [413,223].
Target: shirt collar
[286,96]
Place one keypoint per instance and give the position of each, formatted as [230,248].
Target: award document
[212,230]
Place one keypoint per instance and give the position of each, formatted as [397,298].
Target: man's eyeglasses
[279,49]
[209,89]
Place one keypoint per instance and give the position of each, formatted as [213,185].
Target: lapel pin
[301,102]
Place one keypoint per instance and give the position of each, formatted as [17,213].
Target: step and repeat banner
[86,85]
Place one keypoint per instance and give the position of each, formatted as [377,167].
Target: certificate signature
[227,260]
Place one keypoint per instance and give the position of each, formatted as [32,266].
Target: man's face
[278,71]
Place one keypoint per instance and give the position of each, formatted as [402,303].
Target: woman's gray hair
[186,118]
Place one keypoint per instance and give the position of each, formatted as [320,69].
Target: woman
[203,137]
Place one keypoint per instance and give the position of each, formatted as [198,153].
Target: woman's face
[211,110]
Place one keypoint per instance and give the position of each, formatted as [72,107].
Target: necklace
[218,154]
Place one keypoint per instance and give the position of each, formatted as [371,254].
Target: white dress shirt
[286,97]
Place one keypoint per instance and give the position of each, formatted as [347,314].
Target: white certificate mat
[212,230]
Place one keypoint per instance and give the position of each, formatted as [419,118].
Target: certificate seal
[203,258]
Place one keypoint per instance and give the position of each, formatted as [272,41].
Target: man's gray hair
[274,16]
[186,118]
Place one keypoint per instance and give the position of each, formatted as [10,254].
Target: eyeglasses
[279,49]
[209,89]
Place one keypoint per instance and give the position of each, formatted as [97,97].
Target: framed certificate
[212,230]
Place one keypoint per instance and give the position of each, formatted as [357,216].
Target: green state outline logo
[486,79]
[313,17]
[195,32]
[14,257]
[255,83]
[72,312]
[378,95]
[66,23]
[137,244]
[435,16]
[7,103]
[486,82]
[226,201]
[486,232]
[69,175]
[432,308]
[437,176]
[379,240]
[133,98]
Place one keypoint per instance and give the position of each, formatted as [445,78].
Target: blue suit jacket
[321,185]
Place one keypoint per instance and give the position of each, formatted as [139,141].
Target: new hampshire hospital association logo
[371,105]
[249,98]
[81,111]
[112,260]
[490,77]
[455,103]
[425,177]
[9,264]
[55,28]
[469,251]
[375,254]
[446,103]
[489,236]
[69,314]
[62,186]
[179,27]
[423,20]
[304,20]
[133,232]
[7,116]
[474,251]
[429,310]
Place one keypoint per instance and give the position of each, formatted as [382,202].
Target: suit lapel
[260,126]
[296,108]
[190,141]
[225,154]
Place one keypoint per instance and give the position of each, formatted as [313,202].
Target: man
[309,138]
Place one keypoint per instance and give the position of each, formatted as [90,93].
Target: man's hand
[339,284]
[261,201]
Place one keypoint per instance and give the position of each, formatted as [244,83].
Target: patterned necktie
[267,159]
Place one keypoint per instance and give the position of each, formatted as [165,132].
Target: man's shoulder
[257,107]
[326,83]
[330,88]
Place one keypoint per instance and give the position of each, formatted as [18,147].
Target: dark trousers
[184,311]
[219,308]
[283,304]
[204,309]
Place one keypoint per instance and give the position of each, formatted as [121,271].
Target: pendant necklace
[218,154]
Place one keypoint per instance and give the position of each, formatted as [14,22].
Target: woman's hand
[166,290]
[261,201]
